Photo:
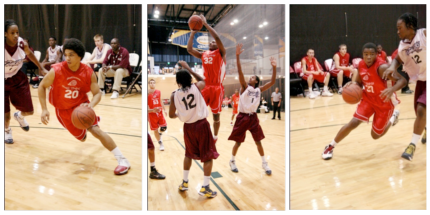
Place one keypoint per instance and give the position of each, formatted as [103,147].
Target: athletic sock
[206,180]
[310,89]
[263,159]
[392,119]
[161,137]
[119,157]
[186,172]
[215,137]
[333,143]
[415,138]
[233,157]
[325,88]
[152,164]
[19,115]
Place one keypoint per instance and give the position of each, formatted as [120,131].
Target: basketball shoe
[327,93]
[409,152]
[8,136]
[423,140]
[155,174]
[233,166]
[123,167]
[267,168]
[21,120]
[183,186]
[396,114]
[313,95]
[328,152]
[161,145]
[115,95]
[206,191]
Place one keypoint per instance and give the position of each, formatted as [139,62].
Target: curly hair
[75,45]
[410,21]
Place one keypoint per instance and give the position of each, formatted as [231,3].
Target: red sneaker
[122,167]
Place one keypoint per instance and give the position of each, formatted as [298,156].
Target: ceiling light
[265,23]
[170,39]
[260,26]
[156,11]
[244,38]
[232,23]
[155,15]
[266,38]
[236,21]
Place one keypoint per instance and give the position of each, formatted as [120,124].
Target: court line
[301,129]
[108,105]
[129,135]
[213,181]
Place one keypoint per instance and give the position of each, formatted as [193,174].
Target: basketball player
[247,119]
[412,54]
[213,62]
[192,110]
[382,55]
[341,67]
[16,88]
[53,55]
[370,71]
[70,82]
[155,115]
[235,101]
[312,71]
[151,155]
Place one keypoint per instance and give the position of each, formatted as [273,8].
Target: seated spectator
[381,54]
[263,105]
[53,56]
[312,71]
[27,63]
[117,65]
[341,67]
[99,53]
[405,90]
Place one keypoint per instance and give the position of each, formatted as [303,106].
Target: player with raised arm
[213,62]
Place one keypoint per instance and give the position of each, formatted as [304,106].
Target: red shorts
[235,109]
[156,120]
[420,94]
[64,116]
[243,123]
[319,78]
[213,97]
[199,142]
[381,116]
[346,73]
[150,144]
[17,92]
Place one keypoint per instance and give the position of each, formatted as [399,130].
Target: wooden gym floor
[364,173]
[48,169]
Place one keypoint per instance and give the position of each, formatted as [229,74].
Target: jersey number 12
[189,105]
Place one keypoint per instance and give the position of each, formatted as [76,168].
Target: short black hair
[76,46]
[8,23]
[410,21]
[53,38]
[183,77]
[369,46]
[258,81]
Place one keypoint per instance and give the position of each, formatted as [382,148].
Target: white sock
[325,88]
[7,129]
[117,153]
[186,172]
[340,88]
[206,180]
[392,119]
[215,137]
[415,138]
[333,143]
[233,157]
[310,89]
[153,164]
[263,159]
[161,137]
[19,115]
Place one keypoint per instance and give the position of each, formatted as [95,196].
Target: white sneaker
[312,95]
[123,167]
[115,95]
[340,90]
[266,168]
[328,152]
[8,136]
[396,115]
[103,92]
[22,122]
[161,146]
[327,93]
[233,166]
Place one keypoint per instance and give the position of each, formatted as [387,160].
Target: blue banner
[181,37]
[258,46]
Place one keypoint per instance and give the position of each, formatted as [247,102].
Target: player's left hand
[86,105]
[239,49]
[273,61]
[45,117]
[386,94]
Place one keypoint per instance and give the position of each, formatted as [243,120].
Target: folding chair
[295,80]
[136,80]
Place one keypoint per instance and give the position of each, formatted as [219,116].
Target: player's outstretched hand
[273,61]
[45,117]
[387,73]
[239,49]
[86,105]
[203,19]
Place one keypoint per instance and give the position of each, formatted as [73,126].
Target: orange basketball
[83,117]
[195,23]
[352,94]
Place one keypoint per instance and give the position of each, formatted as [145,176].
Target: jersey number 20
[189,105]
[71,94]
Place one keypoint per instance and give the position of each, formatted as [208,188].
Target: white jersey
[99,53]
[190,104]
[413,54]
[249,100]
[53,53]
[13,63]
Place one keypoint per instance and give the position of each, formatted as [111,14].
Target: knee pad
[163,128]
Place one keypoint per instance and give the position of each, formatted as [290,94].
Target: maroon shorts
[199,143]
[47,67]
[17,92]
[213,97]
[150,144]
[246,122]
[346,73]
[319,78]
[420,94]
[381,116]
[64,116]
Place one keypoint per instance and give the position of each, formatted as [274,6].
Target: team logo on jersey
[365,78]
[73,83]
[414,48]
[73,77]
[254,94]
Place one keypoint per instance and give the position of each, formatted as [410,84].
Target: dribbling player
[213,62]
[16,87]
[370,71]
[235,103]
[191,109]
[155,113]
[247,119]
[70,82]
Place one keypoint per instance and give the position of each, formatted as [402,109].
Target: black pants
[276,108]
[406,76]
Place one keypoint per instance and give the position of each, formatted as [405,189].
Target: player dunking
[235,103]
[247,119]
[151,156]
[213,62]
[70,82]
[155,114]
[370,71]
[412,53]
[192,110]
[16,88]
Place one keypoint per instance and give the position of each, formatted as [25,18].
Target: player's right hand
[157,109]
[389,71]
[203,19]
[239,49]
[45,117]
[183,63]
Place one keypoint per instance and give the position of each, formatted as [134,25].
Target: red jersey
[311,65]
[235,99]
[343,60]
[213,67]
[382,56]
[154,100]
[69,88]
[394,55]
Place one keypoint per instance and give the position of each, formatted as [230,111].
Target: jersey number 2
[416,59]
[71,94]
[190,104]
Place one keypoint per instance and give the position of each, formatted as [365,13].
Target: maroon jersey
[70,88]
[122,59]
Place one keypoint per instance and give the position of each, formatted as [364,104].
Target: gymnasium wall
[324,27]
[39,22]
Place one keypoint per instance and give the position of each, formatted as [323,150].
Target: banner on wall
[181,37]
[281,47]
[258,46]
